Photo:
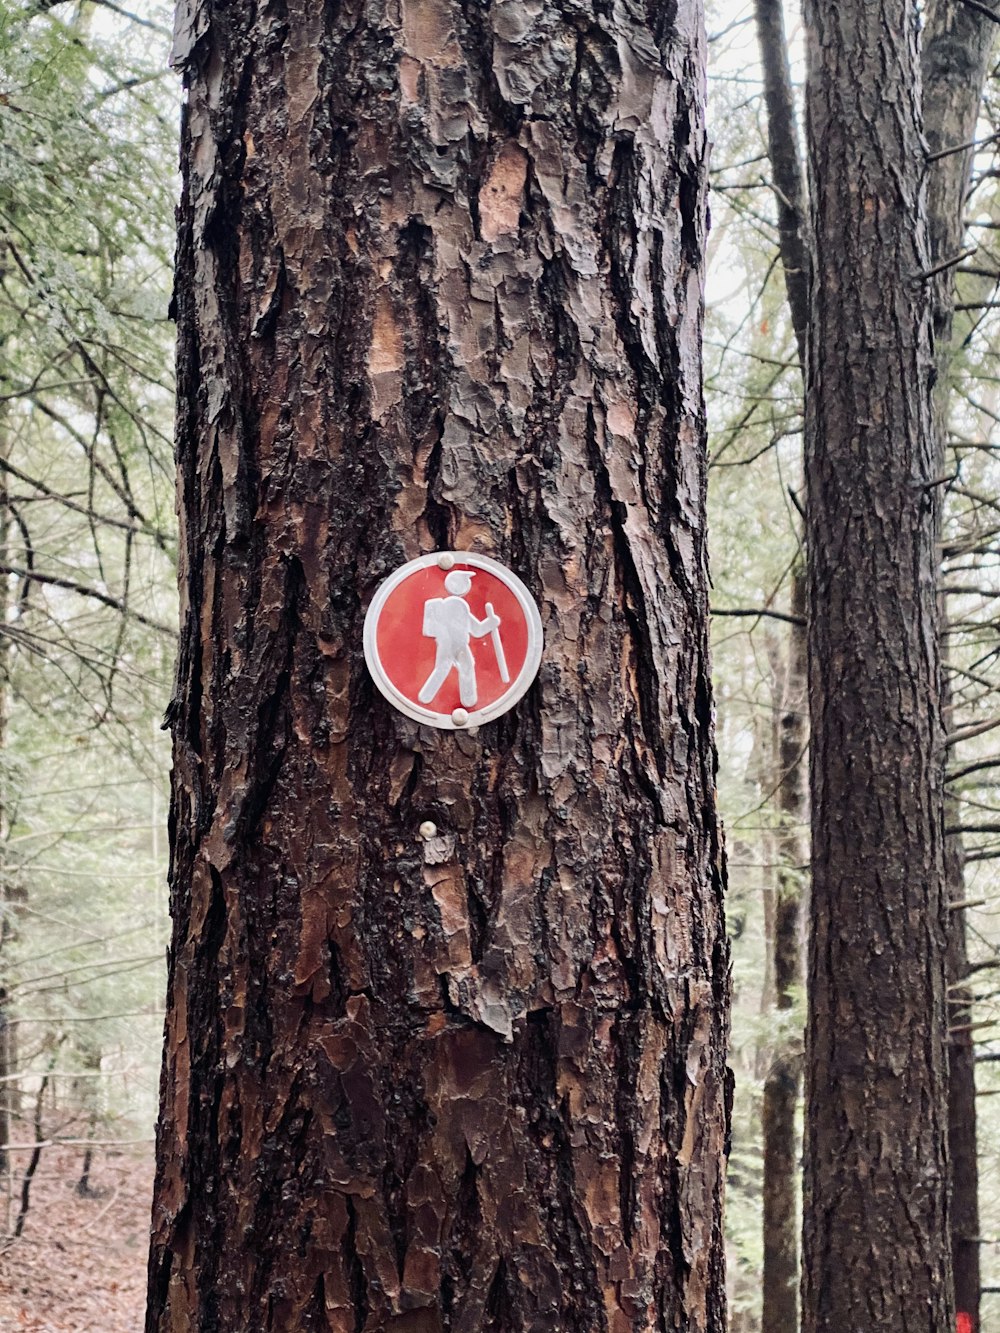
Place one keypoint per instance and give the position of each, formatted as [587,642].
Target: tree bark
[785,157]
[439,285]
[957,45]
[9,897]
[782,1085]
[876,1228]
[962,1130]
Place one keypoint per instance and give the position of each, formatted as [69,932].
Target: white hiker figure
[450,622]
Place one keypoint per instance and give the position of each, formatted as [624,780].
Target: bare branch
[755,613]
[104,598]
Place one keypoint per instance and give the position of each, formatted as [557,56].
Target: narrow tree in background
[957,44]
[439,285]
[9,1099]
[785,155]
[875,1238]
[783,1081]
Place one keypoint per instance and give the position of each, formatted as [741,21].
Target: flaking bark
[439,285]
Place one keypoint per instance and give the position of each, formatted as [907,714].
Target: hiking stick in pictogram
[497,645]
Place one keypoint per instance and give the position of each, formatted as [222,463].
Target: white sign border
[518,687]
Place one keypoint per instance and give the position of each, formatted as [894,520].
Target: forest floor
[80,1264]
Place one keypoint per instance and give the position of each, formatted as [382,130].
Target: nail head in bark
[453,639]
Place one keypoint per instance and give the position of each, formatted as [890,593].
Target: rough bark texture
[957,42]
[787,177]
[875,1236]
[962,1134]
[439,285]
[782,1085]
[957,45]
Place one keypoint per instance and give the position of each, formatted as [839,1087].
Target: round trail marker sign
[453,639]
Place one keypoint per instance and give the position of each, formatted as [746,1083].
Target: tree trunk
[783,1082]
[87,1095]
[439,285]
[962,1139]
[875,1236]
[957,46]
[7,1076]
[782,1086]
[786,165]
[9,1092]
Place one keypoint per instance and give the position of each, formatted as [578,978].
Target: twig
[756,613]
[78,1143]
[955,259]
[987,13]
[966,733]
[36,1157]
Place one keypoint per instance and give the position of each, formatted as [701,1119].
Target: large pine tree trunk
[875,1242]
[439,285]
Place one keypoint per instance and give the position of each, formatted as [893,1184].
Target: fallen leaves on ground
[80,1264]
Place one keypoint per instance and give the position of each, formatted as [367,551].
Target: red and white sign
[453,639]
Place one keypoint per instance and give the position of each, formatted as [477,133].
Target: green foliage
[88,127]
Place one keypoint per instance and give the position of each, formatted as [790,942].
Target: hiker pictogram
[453,639]
[451,624]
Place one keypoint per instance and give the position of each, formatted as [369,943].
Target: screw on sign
[453,639]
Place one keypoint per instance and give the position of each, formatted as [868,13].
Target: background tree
[957,44]
[876,1244]
[782,1084]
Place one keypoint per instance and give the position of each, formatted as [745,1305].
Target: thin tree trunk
[6,1080]
[962,1134]
[787,176]
[782,1086]
[957,46]
[9,1099]
[88,1095]
[34,1159]
[439,285]
[876,1248]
